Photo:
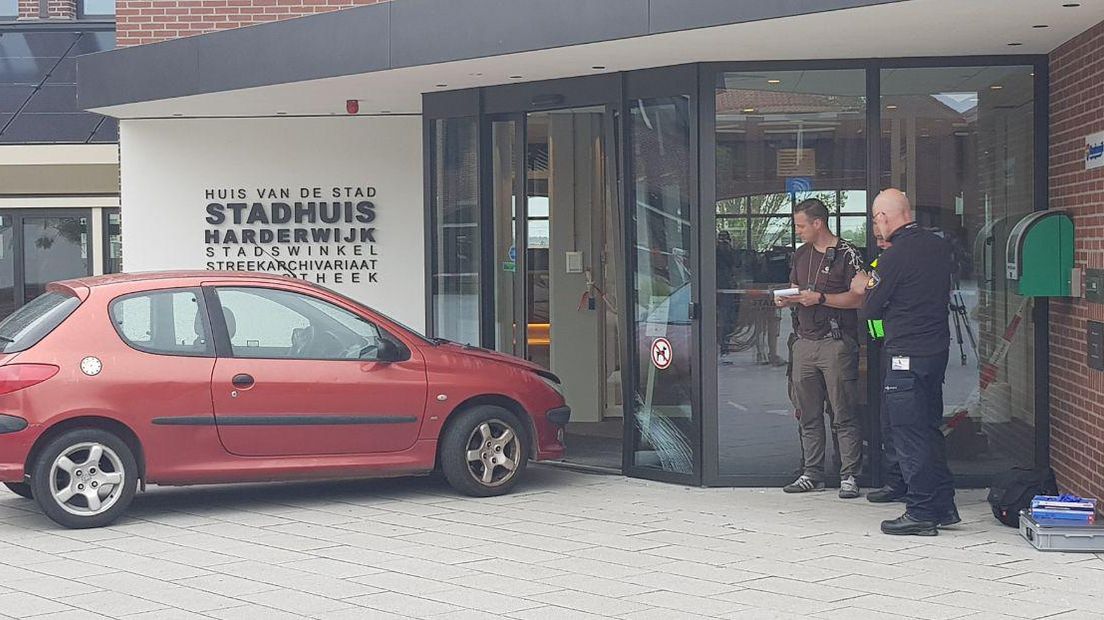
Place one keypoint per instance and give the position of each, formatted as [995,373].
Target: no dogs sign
[661,353]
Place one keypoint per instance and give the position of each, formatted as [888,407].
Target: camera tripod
[961,319]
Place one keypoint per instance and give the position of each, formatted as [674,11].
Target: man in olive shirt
[826,353]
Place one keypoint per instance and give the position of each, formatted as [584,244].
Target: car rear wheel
[22,489]
[84,478]
[484,451]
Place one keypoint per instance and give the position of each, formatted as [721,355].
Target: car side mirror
[388,351]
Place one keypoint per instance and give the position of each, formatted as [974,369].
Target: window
[30,324]
[95,8]
[289,325]
[113,241]
[455,203]
[170,322]
[9,9]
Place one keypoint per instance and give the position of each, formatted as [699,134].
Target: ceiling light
[515,77]
[748,110]
[442,85]
[1070,5]
[281,113]
[996,87]
[385,111]
[891,107]
[1041,26]
[598,67]
[178,114]
[774,81]
[1014,44]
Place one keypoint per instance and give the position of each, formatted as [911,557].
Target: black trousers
[893,477]
[912,400]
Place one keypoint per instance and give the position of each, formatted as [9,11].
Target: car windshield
[410,330]
[30,324]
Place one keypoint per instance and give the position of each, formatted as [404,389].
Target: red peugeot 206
[181,378]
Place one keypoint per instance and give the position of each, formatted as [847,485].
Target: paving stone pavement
[564,545]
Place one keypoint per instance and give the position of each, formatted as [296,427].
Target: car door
[298,375]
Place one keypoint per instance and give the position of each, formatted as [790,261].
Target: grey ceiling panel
[671,15]
[50,128]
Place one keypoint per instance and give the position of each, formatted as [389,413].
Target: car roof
[178,278]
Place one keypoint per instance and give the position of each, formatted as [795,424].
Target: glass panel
[9,298]
[91,8]
[503,196]
[538,277]
[113,223]
[9,9]
[31,323]
[30,127]
[455,200]
[960,142]
[166,323]
[54,248]
[781,137]
[663,432]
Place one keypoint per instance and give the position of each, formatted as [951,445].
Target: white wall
[168,167]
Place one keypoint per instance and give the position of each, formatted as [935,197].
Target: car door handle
[242,381]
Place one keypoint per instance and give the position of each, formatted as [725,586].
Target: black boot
[885,495]
[950,518]
[906,525]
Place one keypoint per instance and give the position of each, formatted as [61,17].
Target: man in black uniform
[910,292]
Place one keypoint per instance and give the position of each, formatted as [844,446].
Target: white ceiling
[902,29]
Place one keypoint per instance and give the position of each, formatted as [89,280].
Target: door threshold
[587,469]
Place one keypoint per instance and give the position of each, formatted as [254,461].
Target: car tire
[476,443]
[84,478]
[22,489]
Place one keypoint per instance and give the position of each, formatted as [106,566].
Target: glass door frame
[649,84]
[19,215]
[707,79]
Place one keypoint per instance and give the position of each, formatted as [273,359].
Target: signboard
[661,353]
[1094,151]
[324,234]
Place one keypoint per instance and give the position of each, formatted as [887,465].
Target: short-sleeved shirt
[812,270]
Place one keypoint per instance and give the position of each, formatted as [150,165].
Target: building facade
[606,189]
[59,165]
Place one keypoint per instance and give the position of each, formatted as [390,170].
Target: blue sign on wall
[798,184]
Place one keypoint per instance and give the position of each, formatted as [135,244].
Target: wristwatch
[822,299]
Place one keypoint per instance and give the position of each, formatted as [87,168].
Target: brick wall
[1077,393]
[63,9]
[28,9]
[149,21]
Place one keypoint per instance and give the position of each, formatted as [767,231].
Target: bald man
[910,292]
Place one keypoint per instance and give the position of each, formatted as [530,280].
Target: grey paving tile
[296,602]
[590,603]
[482,600]
[255,612]
[598,586]
[551,612]
[680,584]
[51,587]
[777,602]
[227,585]
[404,604]
[929,609]
[1010,607]
[499,583]
[680,603]
[332,568]
[113,604]
[22,605]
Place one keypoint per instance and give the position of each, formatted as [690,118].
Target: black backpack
[1011,491]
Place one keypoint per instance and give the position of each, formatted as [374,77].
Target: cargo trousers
[912,401]
[828,370]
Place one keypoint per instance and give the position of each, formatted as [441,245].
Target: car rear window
[30,324]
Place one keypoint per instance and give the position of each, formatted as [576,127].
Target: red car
[181,378]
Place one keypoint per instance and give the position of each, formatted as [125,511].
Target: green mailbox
[1040,254]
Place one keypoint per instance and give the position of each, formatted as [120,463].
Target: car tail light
[15,377]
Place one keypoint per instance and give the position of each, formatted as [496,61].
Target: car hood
[495,356]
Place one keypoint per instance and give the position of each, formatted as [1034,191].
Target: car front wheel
[84,478]
[484,451]
[22,489]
